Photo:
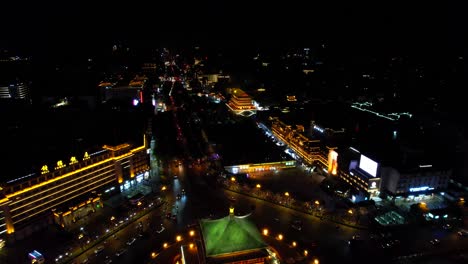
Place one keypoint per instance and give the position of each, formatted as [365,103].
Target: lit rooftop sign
[420,189]
[425,166]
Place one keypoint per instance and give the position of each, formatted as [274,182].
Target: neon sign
[44,169]
[73,160]
[419,189]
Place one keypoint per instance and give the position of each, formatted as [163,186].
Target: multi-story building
[16,90]
[309,150]
[369,178]
[123,89]
[241,103]
[423,178]
[81,181]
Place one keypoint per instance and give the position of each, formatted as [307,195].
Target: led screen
[368,165]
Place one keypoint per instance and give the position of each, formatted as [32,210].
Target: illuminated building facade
[15,91]
[241,103]
[77,183]
[421,179]
[133,90]
[364,185]
[257,167]
[371,179]
[308,149]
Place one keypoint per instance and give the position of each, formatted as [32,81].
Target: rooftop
[229,235]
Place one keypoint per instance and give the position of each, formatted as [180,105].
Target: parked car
[121,252]
[131,241]
[98,249]
[160,230]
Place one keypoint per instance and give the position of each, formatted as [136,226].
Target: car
[98,249]
[107,261]
[462,233]
[179,196]
[131,241]
[176,177]
[85,261]
[121,252]
[192,225]
[160,230]
[435,241]
[447,226]
[183,191]
[296,227]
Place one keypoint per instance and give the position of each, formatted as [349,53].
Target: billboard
[332,162]
[368,165]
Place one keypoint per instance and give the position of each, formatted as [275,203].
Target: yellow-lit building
[307,149]
[258,167]
[241,103]
[78,181]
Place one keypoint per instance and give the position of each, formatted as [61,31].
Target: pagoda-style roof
[231,234]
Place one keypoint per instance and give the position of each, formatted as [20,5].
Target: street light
[165,245]
[258,186]
[294,244]
[316,261]
[265,232]
[191,245]
[317,202]
[306,253]
[192,233]
[280,237]
[350,211]
[178,238]
[286,193]
[233,179]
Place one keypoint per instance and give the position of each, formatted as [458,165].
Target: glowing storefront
[259,167]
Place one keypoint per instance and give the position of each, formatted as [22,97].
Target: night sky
[55,24]
[58,32]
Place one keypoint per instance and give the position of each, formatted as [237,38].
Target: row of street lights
[293,244]
[178,238]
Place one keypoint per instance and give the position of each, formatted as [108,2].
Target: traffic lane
[280,216]
[320,235]
[113,243]
[409,245]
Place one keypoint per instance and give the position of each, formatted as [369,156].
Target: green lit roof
[230,234]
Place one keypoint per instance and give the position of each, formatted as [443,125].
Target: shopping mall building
[56,193]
